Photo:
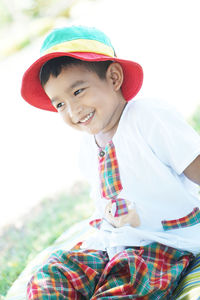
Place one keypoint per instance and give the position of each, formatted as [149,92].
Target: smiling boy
[81,96]
[143,162]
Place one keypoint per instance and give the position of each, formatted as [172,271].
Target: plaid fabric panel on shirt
[121,207]
[109,172]
[150,272]
[191,219]
[96,223]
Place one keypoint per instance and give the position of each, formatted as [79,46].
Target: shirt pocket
[191,219]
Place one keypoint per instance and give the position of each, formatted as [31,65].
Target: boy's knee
[48,282]
[50,278]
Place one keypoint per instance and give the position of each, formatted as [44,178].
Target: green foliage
[33,19]
[20,243]
[195,120]
[5,16]
[37,8]
[40,28]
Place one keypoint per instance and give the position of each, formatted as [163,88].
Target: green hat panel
[61,36]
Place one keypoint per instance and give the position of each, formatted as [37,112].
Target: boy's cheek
[65,118]
[68,122]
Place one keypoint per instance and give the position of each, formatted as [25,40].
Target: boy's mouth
[87,118]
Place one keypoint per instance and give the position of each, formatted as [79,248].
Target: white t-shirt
[154,145]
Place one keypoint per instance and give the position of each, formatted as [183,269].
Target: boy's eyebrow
[76,83]
[53,100]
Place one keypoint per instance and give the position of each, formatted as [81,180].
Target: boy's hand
[193,170]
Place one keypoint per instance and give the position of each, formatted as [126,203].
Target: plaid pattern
[96,223]
[150,272]
[109,172]
[189,220]
[121,207]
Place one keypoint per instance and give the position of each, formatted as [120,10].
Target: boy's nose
[74,111]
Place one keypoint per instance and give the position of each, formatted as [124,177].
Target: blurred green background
[33,18]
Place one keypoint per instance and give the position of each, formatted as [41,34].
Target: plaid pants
[149,272]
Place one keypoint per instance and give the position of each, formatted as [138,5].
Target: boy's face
[85,101]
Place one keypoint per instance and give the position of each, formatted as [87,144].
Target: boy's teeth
[87,118]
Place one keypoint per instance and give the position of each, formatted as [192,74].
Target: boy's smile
[87,102]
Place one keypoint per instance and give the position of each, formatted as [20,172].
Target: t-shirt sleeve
[168,134]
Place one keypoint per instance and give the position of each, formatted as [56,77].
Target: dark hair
[54,67]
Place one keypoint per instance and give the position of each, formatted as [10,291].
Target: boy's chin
[91,132]
[87,130]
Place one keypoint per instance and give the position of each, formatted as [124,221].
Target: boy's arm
[193,170]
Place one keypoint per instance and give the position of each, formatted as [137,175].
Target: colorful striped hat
[80,42]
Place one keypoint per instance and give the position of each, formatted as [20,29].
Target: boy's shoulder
[149,104]
[147,113]
[142,109]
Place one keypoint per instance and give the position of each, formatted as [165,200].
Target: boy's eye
[59,105]
[78,92]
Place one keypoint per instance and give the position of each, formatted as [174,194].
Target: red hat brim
[33,92]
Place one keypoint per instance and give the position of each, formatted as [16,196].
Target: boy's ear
[115,75]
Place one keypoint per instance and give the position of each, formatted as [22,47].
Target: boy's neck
[102,138]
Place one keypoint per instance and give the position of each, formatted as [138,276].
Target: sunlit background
[38,151]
